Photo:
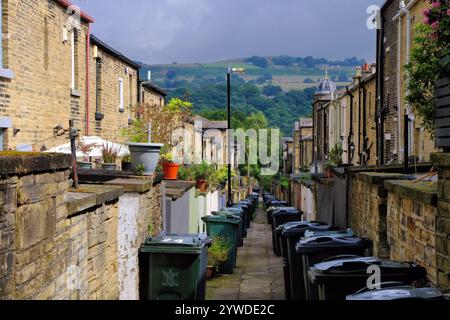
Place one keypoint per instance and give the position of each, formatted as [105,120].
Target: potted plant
[126,163]
[218,253]
[110,153]
[201,172]
[329,169]
[170,168]
[154,123]
[185,173]
[85,149]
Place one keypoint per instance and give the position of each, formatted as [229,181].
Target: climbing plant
[431,42]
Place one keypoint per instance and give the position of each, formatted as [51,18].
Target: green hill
[280,87]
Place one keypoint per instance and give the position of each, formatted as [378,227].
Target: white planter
[146,154]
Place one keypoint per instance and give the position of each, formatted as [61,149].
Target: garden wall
[57,244]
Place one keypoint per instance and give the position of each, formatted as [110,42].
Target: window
[131,90]
[74,59]
[5,73]
[1,139]
[121,104]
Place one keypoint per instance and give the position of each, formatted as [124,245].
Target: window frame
[4,72]
[121,95]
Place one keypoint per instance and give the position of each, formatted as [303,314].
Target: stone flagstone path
[259,273]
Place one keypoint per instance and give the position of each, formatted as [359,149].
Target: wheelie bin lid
[236,209]
[397,292]
[230,219]
[333,233]
[173,244]
[228,214]
[318,244]
[202,236]
[299,229]
[275,208]
[281,212]
[359,265]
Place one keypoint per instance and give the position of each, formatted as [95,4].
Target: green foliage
[110,152]
[423,71]
[335,155]
[140,169]
[272,90]
[185,173]
[219,252]
[257,61]
[284,182]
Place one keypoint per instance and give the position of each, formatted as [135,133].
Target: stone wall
[60,244]
[442,162]
[368,209]
[411,225]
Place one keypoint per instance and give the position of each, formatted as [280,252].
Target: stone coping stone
[21,163]
[397,168]
[175,193]
[381,177]
[179,184]
[321,178]
[102,176]
[132,185]
[422,191]
[89,196]
[440,159]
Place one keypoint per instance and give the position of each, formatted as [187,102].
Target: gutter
[350,133]
[67,4]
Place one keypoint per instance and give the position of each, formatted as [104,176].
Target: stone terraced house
[53,70]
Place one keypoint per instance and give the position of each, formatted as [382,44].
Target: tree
[283,61]
[272,91]
[171,74]
[342,78]
[308,80]
[257,61]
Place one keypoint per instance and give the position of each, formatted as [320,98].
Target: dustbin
[280,217]
[272,209]
[226,227]
[247,210]
[251,206]
[291,234]
[315,250]
[348,233]
[396,291]
[201,290]
[339,276]
[241,212]
[242,229]
[170,268]
[276,203]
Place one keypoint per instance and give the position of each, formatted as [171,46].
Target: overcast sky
[165,31]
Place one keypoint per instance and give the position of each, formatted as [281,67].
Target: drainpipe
[364,120]
[350,132]
[359,122]
[88,76]
[380,91]
[316,169]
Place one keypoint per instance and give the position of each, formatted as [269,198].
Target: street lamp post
[230,71]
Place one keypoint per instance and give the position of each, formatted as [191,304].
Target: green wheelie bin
[169,268]
[242,229]
[226,227]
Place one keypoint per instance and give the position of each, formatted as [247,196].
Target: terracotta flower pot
[209,273]
[170,170]
[201,185]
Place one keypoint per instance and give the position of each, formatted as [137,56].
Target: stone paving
[259,273]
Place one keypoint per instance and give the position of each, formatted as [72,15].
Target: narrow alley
[259,273]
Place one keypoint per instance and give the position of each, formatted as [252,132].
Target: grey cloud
[163,31]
